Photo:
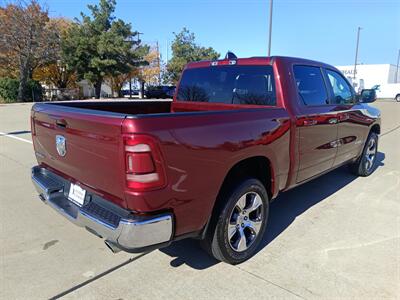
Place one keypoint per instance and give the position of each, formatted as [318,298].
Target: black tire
[362,167]
[217,243]
[397,98]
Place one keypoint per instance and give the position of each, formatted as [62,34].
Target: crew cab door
[353,123]
[317,123]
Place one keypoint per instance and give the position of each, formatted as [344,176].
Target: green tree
[99,46]
[185,50]
[9,90]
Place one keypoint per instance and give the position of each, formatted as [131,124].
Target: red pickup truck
[143,174]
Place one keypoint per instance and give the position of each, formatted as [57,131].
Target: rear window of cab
[230,84]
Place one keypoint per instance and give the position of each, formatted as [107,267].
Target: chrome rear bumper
[119,227]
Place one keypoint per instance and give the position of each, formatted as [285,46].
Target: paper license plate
[77,194]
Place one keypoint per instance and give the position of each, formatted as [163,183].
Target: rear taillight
[143,163]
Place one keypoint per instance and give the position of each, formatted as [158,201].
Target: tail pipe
[110,245]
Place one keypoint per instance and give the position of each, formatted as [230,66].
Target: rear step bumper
[120,228]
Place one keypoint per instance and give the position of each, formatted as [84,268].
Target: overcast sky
[323,30]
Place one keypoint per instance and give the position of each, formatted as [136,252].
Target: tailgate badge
[61,145]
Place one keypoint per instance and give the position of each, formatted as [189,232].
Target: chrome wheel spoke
[241,204]
[371,150]
[369,162]
[371,144]
[242,244]
[231,231]
[256,203]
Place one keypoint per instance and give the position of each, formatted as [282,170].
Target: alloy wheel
[370,154]
[245,221]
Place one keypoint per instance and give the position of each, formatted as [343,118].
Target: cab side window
[311,85]
[342,91]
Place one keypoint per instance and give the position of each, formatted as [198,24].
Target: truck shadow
[283,211]
[19,132]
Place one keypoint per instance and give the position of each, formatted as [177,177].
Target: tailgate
[93,156]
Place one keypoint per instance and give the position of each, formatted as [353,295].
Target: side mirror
[367,96]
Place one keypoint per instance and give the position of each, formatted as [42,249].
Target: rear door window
[310,85]
[228,84]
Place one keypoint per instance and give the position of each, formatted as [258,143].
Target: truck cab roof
[257,60]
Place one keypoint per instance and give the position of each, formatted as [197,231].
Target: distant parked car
[160,91]
[134,92]
[171,92]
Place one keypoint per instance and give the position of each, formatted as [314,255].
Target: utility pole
[141,87]
[270,27]
[355,61]
[130,87]
[397,68]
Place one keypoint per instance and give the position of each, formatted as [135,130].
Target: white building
[89,92]
[369,75]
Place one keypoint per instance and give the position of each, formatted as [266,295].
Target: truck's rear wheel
[365,164]
[397,98]
[240,226]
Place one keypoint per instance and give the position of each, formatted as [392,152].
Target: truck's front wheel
[365,164]
[239,228]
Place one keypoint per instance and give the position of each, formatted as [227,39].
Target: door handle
[61,123]
[333,121]
[310,122]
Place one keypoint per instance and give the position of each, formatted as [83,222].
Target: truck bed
[193,138]
[122,107]
[141,108]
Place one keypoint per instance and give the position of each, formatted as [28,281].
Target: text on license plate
[77,194]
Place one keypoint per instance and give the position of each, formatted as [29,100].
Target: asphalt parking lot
[337,236]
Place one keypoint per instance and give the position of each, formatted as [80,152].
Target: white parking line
[15,137]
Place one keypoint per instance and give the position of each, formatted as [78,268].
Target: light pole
[397,68]
[355,61]
[167,51]
[270,27]
[158,63]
